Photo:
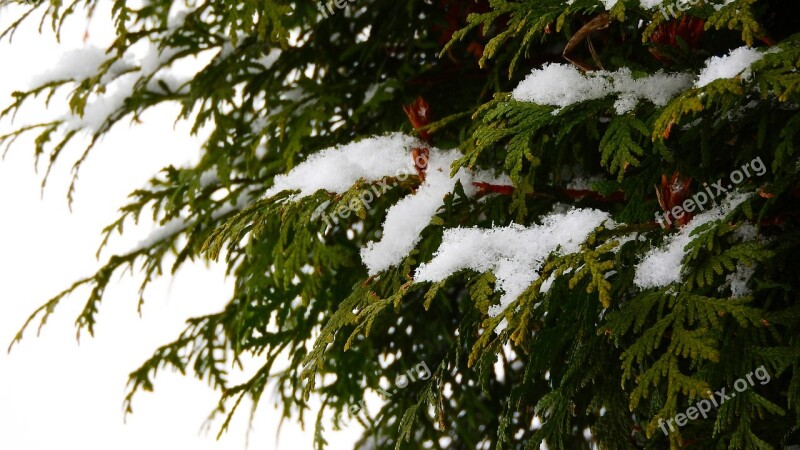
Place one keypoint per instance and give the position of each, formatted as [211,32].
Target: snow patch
[608,4]
[563,85]
[121,86]
[337,169]
[514,254]
[649,4]
[737,281]
[737,62]
[406,220]
[73,65]
[662,266]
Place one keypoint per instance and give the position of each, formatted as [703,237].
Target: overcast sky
[55,393]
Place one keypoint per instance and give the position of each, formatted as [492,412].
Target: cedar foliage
[593,352]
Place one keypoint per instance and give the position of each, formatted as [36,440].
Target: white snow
[737,281]
[514,254]
[162,232]
[746,232]
[270,58]
[74,65]
[337,169]
[723,4]
[560,85]
[100,109]
[649,4]
[120,86]
[608,4]
[407,218]
[737,62]
[79,64]
[662,266]
[563,85]
[584,183]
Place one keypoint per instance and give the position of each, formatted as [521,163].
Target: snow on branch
[650,4]
[77,65]
[514,254]
[735,63]
[337,169]
[406,219]
[120,77]
[563,85]
[662,266]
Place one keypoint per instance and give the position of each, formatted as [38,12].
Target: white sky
[53,392]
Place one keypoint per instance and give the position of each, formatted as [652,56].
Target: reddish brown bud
[421,155]
[419,115]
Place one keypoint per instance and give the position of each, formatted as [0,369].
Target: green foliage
[584,347]
[619,147]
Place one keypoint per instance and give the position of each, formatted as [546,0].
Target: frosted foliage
[662,266]
[738,280]
[649,4]
[121,80]
[73,65]
[563,85]
[514,254]
[406,220]
[658,88]
[337,169]
[608,4]
[737,62]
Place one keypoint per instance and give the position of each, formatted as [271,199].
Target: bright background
[54,392]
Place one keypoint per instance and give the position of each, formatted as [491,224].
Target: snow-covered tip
[662,266]
[73,65]
[735,63]
[563,85]
[515,254]
[406,220]
[337,169]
